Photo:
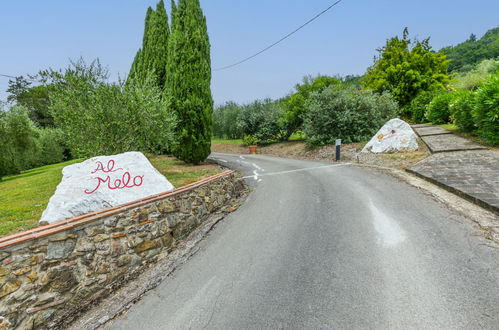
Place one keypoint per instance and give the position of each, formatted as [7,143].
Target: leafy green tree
[295,104]
[151,59]
[18,141]
[260,120]
[406,68]
[465,56]
[52,146]
[225,121]
[188,81]
[102,118]
[34,98]
[347,114]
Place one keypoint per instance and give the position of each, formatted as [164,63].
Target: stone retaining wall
[49,274]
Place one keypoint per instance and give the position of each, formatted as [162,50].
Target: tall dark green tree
[151,59]
[188,80]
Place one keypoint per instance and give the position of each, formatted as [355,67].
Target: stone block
[9,287]
[60,249]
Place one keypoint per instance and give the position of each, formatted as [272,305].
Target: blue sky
[40,34]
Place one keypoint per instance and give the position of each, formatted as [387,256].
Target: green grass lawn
[227,141]
[449,127]
[23,197]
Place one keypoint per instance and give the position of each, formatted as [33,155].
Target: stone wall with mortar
[50,273]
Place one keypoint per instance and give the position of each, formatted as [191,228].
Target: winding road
[329,246]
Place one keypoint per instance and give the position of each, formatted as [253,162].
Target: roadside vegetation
[408,79]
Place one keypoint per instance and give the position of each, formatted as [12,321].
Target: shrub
[461,110]
[18,141]
[251,140]
[419,106]
[295,104]
[351,115]
[439,109]
[486,111]
[261,119]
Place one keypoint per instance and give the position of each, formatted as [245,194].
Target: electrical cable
[280,40]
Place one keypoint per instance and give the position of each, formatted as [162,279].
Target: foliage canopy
[406,68]
[188,80]
[464,56]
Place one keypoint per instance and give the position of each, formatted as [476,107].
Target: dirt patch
[349,153]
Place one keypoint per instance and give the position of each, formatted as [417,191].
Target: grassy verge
[297,136]
[467,135]
[23,197]
[238,142]
[180,173]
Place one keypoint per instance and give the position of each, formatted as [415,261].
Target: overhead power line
[280,40]
[7,76]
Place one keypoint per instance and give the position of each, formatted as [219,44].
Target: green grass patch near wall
[179,173]
[24,197]
[449,127]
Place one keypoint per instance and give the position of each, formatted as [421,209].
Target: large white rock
[395,136]
[102,182]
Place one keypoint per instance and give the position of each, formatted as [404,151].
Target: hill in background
[466,55]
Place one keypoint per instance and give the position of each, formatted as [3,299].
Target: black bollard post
[338,151]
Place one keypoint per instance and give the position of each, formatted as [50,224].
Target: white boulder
[395,136]
[102,182]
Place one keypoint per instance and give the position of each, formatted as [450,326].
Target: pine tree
[188,81]
[152,57]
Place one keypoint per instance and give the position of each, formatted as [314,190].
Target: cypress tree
[137,65]
[152,57]
[188,81]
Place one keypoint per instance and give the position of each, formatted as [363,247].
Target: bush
[99,118]
[251,140]
[52,146]
[261,119]
[295,104]
[486,111]
[439,109]
[461,110]
[419,106]
[18,141]
[350,115]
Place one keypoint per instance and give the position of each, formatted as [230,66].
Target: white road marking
[256,166]
[220,160]
[242,157]
[388,229]
[298,170]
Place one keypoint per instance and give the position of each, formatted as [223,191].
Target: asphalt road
[329,246]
